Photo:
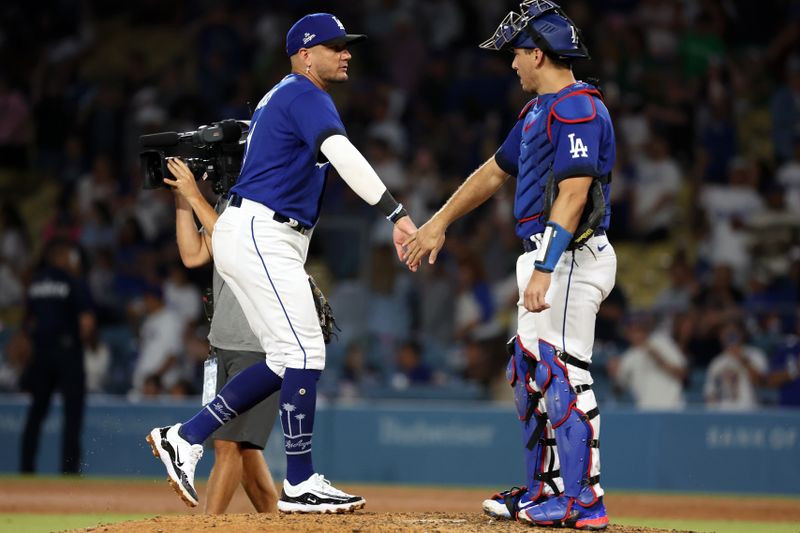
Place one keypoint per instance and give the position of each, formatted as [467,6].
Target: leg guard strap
[572,360]
[536,436]
[550,479]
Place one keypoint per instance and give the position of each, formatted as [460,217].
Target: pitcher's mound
[359,522]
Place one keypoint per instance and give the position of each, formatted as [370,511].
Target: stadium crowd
[706,193]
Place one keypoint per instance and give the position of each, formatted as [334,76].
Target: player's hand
[536,291]
[184,182]
[403,229]
[427,241]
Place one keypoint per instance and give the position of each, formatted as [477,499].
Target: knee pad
[559,395]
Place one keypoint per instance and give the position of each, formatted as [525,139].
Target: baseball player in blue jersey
[561,151]
[260,244]
[239,445]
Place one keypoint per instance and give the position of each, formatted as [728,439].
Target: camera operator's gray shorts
[251,428]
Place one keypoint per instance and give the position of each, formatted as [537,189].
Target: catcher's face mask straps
[506,32]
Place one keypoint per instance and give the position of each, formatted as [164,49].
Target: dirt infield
[388,508]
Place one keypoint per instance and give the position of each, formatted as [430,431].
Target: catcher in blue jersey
[561,151]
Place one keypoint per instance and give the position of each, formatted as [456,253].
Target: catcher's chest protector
[572,105]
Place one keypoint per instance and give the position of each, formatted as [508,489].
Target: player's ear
[538,58]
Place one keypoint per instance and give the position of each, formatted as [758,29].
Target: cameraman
[238,445]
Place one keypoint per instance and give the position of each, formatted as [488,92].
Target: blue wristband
[554,243]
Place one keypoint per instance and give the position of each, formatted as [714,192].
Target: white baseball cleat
[317,495]
[179,457]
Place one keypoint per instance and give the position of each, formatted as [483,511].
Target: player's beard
[340,76]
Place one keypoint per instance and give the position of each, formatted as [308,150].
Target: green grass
[718,526]
[44,523]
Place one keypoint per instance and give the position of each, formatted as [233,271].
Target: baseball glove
[327,322]
[592,215]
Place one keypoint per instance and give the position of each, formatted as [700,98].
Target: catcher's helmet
[540,24]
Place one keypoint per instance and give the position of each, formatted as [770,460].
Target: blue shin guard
[539,446]
[573,431]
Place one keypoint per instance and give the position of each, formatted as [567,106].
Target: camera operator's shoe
[563,511]
[317,495]
[179,457]
[505,505]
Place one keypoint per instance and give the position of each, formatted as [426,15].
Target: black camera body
[212,152]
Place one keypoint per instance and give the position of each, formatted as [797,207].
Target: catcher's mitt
[593,212]
[327,322]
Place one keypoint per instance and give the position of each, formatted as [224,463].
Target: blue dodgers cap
[318,28]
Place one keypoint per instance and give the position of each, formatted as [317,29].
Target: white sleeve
[353,168]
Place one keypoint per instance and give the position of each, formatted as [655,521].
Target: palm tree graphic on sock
[289,408]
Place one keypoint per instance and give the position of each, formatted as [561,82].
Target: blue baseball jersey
[568,134]
[282,167]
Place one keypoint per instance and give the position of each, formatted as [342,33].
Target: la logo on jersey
[576,147]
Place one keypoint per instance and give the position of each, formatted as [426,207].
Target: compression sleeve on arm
[353,168]
[359,175]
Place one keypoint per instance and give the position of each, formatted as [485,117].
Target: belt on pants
[236,201]
[530,245]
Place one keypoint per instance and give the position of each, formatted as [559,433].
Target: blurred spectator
[388,315]
[59,320]
[97,360]
[682,289]
[151,387]
[729,207]
[785,110]
[475,306]
[653,369]
[608,330]
[102,282]
[735,374]
[181,389]
[655,192]
[15,127]
[98,228]
[788,176]
[97,186]
[356,372]
[713,305]
[410,368]
[181,296]
[11,288]
[477,365]
[14,358]
[15,239]
[160,342]
[784,372]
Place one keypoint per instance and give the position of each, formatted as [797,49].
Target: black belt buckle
[292,223]
[529,246]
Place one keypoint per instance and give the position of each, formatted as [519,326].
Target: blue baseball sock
[298,403]
[246,389]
